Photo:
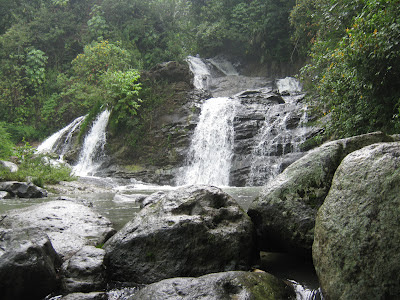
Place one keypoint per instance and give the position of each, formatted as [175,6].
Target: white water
[224,66]
[278,141]
[288,85]
[211,149]
[202,76]
[52,142]
[92,153]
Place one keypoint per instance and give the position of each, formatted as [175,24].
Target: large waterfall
[211,150]
[92,153]
[249,135]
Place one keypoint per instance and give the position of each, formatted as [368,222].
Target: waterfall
[278,142]
[92,153]
[288,85]
[59,142]
[202,76]
[211,149]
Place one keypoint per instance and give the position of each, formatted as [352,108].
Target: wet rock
[228,285]
[28,264]
[23,189]
[84,272]
[171,71]
[356,251]
[188,232]
[284,213]
[9,165]
[84,296]
[5,195]
[69,225]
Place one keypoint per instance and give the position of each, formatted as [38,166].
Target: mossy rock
[284,213]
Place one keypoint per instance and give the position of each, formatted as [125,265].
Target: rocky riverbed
[338,204]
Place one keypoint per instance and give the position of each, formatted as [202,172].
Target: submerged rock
[188,232]
[356,251]
[22,189]
[284,213]
[228,285]
[28,264]
[69,225]
[84,272]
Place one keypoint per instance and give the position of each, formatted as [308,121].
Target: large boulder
[84,272]
[228,285]
[356,250]
[28,265]
[22,189]
[191,231]
[69,225]
[284,213]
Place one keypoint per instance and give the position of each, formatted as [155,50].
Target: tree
[355,75]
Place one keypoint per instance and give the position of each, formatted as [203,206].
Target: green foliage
[36,168]
[356,75]
[6,145]
[99,57]
[122,94]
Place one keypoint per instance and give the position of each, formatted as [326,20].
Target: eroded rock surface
[188,232]
[69,225]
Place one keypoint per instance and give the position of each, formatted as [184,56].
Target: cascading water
[211,150]
[92,153]
[279,139]
[59,142]
[202,76]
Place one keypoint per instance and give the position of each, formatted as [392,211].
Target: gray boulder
[69,225]
[356,250]
[191,231]
[84,272]
[228,285]
[284,213]
[28,265]
[9,165]
[22,189]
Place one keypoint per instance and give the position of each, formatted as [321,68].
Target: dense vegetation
[354,71]
[63,58]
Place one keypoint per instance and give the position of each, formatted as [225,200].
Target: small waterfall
[202,76]
[279,139]
[211,150]
[59,142]
[224,66]
[288,85]
[92,153]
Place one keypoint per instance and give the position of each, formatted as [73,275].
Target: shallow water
[119,201]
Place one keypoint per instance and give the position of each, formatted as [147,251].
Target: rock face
[84,272]
[22,189]
[284,213]
[28,265]
[188,232]
[356,251]
[69,225]
[229,285]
